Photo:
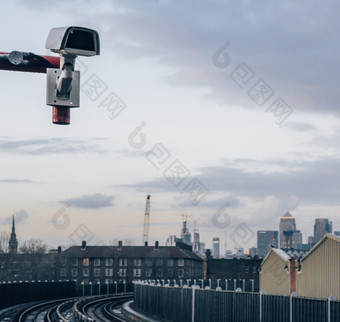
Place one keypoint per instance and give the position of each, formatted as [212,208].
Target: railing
[196,304]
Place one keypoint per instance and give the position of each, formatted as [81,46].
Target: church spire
[13,243]
[13,226]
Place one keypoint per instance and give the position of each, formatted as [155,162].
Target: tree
[34,246]
[4,239]
[34,253]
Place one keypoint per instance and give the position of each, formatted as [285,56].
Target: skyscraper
[185,234]
[287,224]
[266,239]
[321,228]
[289,236]
[216,247]
[196,245]
[13,243]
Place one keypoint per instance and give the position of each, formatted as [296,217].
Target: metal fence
[194,304]
[17,293]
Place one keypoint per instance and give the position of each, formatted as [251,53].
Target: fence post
[193,305]
[263,292]
[291,306]
[261,306]
[331,298]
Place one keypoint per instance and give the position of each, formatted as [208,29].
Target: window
[137,262]
[170,272]
[63,261]
[96,272]
[74,261]
[246,269]
[180,262]
[122,262]
[108,281]
[86,262]
[122,272]
[254,270]
[148,262]
[137,272]
[108,272]
[74,272]
[96,262]
[108,261]
[148,272]
[86,272]
[170,262]
[63,272]
[159,262]
[159,272]
[180,273]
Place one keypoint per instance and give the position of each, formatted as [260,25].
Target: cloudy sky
[226,111]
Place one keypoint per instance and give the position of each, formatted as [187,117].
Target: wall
[274,278]
[320,271]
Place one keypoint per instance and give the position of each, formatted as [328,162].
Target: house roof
[286,255]
[321,241]
[278,252]
[130,252]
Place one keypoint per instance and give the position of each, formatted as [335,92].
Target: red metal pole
[31,66]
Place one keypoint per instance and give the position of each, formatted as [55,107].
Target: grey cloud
[21,217]
[17,181]
[313,181]
[94,201]
[302,127]
[310,181]
[51,146]
[276,39]
[229,202]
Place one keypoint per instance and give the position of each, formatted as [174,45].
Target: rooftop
[130,252]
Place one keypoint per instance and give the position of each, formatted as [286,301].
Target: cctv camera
[76,41]
[63,85]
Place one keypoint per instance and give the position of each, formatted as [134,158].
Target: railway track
[103,308]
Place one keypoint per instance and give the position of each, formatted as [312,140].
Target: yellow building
[319,275]
[277,274]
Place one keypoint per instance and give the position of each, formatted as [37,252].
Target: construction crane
[146,220]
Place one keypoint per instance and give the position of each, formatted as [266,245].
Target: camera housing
[63,85]
[77,41]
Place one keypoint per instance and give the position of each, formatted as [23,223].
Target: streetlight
[82,283]
[107,287]
[91,287]
[252,285]
[116,286]
[226,284]
[234,284]
[99,287]
[244,285]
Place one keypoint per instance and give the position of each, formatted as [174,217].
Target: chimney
[120,245]
[208,254]
[59,249]
[156,245]
[83,245]
[146,244]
